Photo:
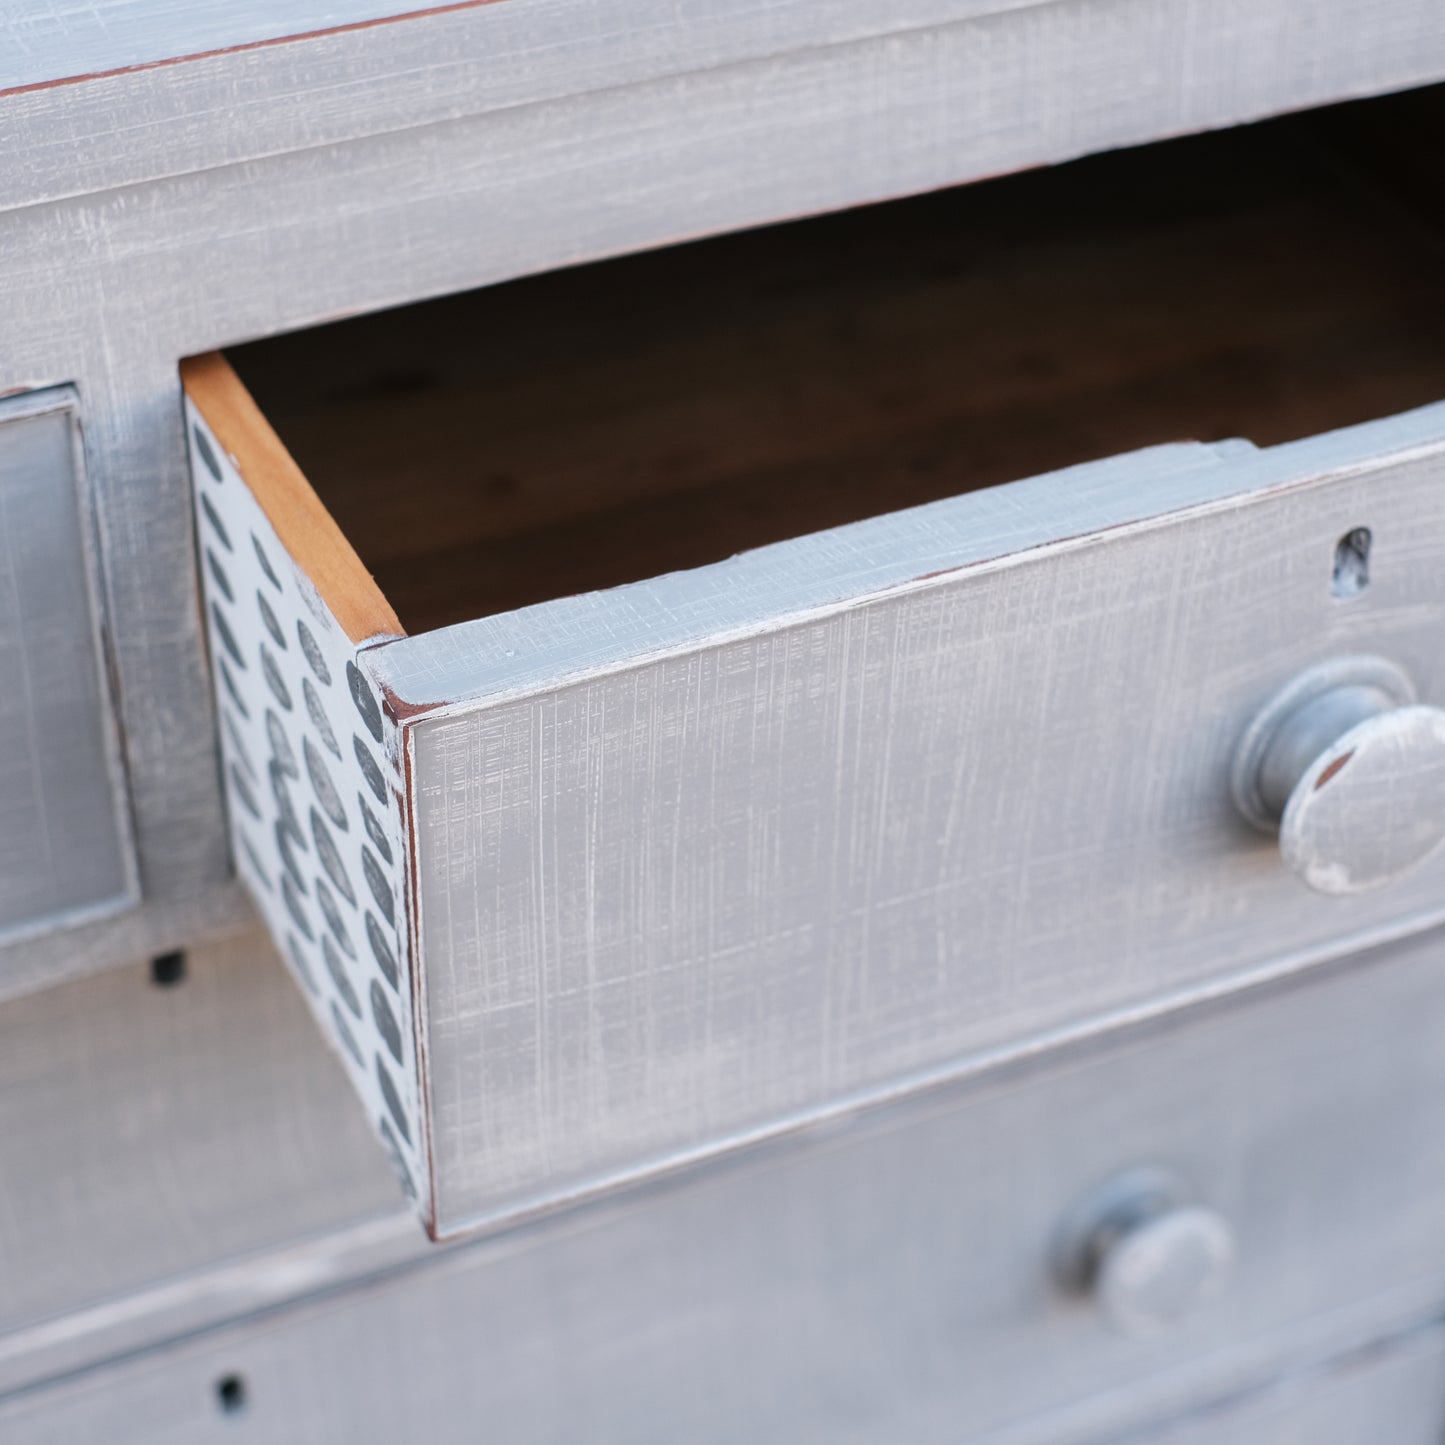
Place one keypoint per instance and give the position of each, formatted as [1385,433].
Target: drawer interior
[635,416]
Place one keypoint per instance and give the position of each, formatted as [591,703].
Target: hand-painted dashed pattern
[315,797]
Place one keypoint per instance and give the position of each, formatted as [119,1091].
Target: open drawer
[591,886]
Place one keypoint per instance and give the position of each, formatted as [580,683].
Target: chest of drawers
[960,945]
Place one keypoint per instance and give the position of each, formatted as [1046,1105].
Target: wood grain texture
[381,187]
[237,106]
[301,523]
[891,1281]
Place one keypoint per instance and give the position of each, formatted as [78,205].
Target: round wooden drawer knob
[1350,770]
[1146,1256]
[1162,1268]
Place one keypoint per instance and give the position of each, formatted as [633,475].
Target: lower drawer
[900,1279]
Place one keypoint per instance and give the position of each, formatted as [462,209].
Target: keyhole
[1352,563]
[231,1394]
[168,969]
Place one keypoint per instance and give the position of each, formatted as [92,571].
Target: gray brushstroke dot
[281,753]
[299,963]
[318,717]
[381,950]
[294,908]
[386,1024]
[322,785]
[286,849]
[218,575]
[285,805]
[365,700]
[270,622]
[330,858]
[369,769]
[337,970]
[371,870]
[393,1100]
[253,858]
[373,827]
[313,654]
[343,1032]
[397,1162]
[203,445]
[217,525]
[232,691]
[228,638]
[334,920]
[244,793]
[265,562]
[272,673]
[238,743]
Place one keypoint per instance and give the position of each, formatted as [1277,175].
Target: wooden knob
[1350,770]
[1143,1254]
[1161,1270]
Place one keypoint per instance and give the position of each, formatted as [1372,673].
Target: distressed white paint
[49,40]
[892,1281]
[173,1157]
[109,286]
[849,813]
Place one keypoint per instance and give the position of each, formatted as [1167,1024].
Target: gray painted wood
[166,1151]
[67,855]
[240,106]
[393,186]
[873,807]
[893,1280]
[1394,1392]
[44,41]
[49,40]
[81,950]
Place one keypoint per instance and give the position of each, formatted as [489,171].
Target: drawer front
[896,1280]
[68,852]
[678,865]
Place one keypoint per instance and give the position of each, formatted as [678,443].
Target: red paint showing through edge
[450,9]
[1332,771]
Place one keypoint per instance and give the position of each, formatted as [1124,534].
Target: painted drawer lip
[478,670]
[497,659]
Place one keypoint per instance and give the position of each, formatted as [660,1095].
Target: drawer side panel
[314,793]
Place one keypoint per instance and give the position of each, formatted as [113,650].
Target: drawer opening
[630,417]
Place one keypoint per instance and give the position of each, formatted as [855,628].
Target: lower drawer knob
[1163,1268]
[1351,772]
[1143,1254]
